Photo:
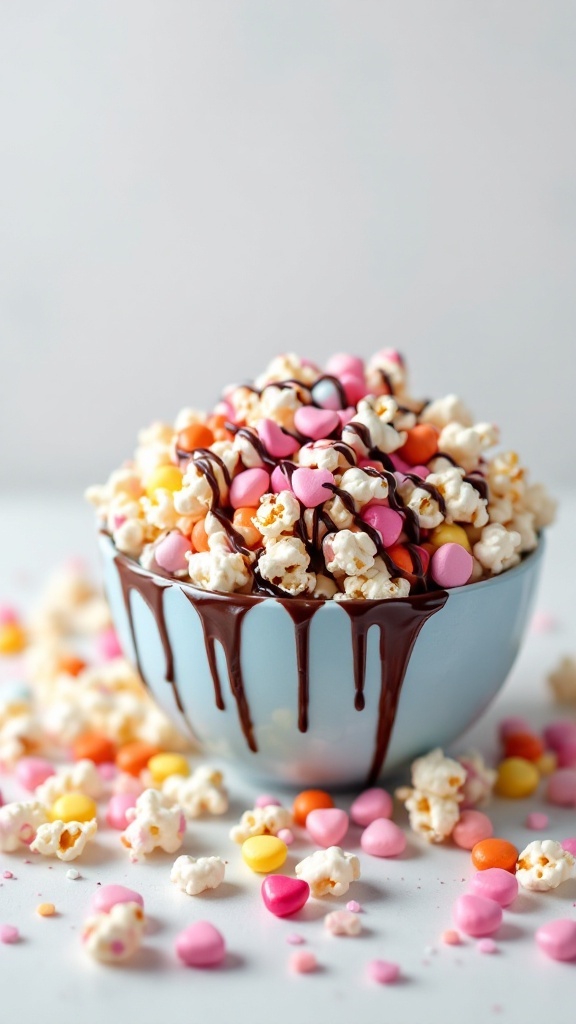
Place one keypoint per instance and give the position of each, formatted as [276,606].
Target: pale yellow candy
[162,765]
[73,807]
[264,853]
[12,638]
[517,778]
[449,533]
[166,478]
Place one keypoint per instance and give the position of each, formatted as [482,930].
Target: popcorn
[116,935]
[498,548]
[218,569]
[19,823]
[153,823]
[80,777]
[541,505]
[329,872]
[279,404]
[443,411]
[382,434]
[63,839]
[506,477]
[261,821]
[277,514]
[194,876]
[466,444]
[544,864]
[433,804]
[477,787]
[349,553]
[426,507]
[343,922]
[563,681]
[437,774]
[201,792]
[285,563]
[322,455]
[463,502]
[362,487]
[374,585]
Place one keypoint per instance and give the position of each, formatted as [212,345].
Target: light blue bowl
[460,659]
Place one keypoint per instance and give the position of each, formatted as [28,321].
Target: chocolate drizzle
[302,613]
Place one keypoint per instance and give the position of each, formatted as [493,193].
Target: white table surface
[407,901]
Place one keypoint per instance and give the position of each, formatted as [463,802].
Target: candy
[383,971]
[12,639]
[517,778]
[165,478]
[561,789]
[537,821]
[386,521]
[494,853]
[487,946]
[248,487]
[276,441]
[383,838]
[341,362]
[73,807]
[312,486]
[9,934]
[108,896]
[449,533]
[134,757]
[107,644]
[284,896]
[495,884]
[280,481]
[556,734]
[327,826]
[570,845]
[471,828]
[315,423]
[264,853]
[46,909]
[371,804]
[309,800]
[200,537]
[512,724]
[266,800]
[94,746]
[477,915]
[524,745]
[286,835]
[195,436]
[450,937]
[161,766]
[343,922]
[558,939]
[118,804]
[32,772]
[200,945]
[170,553]
[421,444]
[451,565]
[243,523]
[326,394]
[303,961]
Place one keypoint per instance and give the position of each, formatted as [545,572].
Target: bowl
[324,693]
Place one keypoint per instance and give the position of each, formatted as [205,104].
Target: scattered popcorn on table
[81,777]
[64,839]
[343,922]
[116,935]
[196,875]
[562,681]
[544,864]
[261,821]
[153,824]
[329,872]
[200,793]
[19,823]
[433,804]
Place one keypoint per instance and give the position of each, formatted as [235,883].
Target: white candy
[81,777]
[348,552]
[497,548]
[463,502]
[19,822]
[544,864]
[194,876]
[285,563]
[115,935]
[563,681]
[201,792]
[64,839]
[261,821]
[276,514]
[153,823]
[329,872]
[437,774]
[343,922]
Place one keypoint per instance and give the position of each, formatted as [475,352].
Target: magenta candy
[311,486]
[200,945]
[107,896]
[248,487]
[116,810]
[513,725]
[558,939]
[341,362]
[477,915]
[327,825]
[33,771]
[279,481]
[495,884]
[487,946]
[315,423]
[570,845]
[557,734]
[451,565]
[471,828]
[567,754]
[283,895]
[383,838]
[371,804]
[276,441]
[108,645]
[171,552]
[561,788]
[386,521]
[383,971]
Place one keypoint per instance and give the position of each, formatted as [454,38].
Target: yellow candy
[449,533]
[73,807]
[264,853]
[166,478]
[517,778]
[162,765]
[12,638]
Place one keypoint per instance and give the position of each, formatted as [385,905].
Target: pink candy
[108,645]
[513,725]
[383,838]
[471,828]
[276,441]
[561,788]
[266,800]
[8,615]
[311,486]
[341,363]
[451,565]
[303,962]
[33,771]
[279,481]
[315,423]
[107,896]
[477,915]
[116,810]
[284,896]
[487,946]
[537,821]
[495,884]
[171,552]
[327,826]
[557,734]
[558,939]
[386,521]
[9,934]
[383,971]
[570,845]
[371,804]
[200,945]
[286,835]
[248,487]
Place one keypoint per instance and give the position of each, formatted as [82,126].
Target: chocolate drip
[477,481]
[399,621]
[235,539]
[302,613]
[204,459]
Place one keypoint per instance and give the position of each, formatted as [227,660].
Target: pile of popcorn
[331,484]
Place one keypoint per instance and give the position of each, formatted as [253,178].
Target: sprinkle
[354,907]
[303,962]
[486,946]
[537,821]
[294,939]
[9,934]
[383,971]
[450,937]
[73,874]
[46,909]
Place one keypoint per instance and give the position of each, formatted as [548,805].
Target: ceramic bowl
[318,692]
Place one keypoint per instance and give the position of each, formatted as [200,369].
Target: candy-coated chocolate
[73,807]
[449,533]
[383,838]
[471,828]
[200,945]
[309,800]
[303,961]
[267,800]
[386,521]
[495,853]
[556,734]
[558,939]
[9,934]
[264,853]
[383,971]
[451,565]
[283,895]
[570,845]
[342,362]
[171,552]
[315,423]
[248,487]
[477,915]
[280,481]
[517,778]
[197,435]
[537,821]
[200,537]
[161,766]
[354,387]
[133,757]
[286,835]
[118,804]
[512,724]
[94,746]
[495,884]
[421,444]
[312,486]
[107,896]
[243,524]
[371,804]
[12,638]
[523,744]
[33,771]
[107,644]
[566,756]
[327,826]
[561,789]
[164,478]
[276,441]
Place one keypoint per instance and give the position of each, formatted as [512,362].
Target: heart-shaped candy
[315,423]
[200,945]
[283,895]
[327,826]
[310,486]
[276,442]
[383,838]
[279,480]
[386,521]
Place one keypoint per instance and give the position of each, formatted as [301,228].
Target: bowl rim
[527,561]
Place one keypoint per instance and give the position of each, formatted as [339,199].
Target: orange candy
[200,537]
[310,800]
[495,853]
[72,665]
[94,746]
[401,556]
[243,524]
[217,424]
[194,436]
[133,757]
[524,744]
[420,445]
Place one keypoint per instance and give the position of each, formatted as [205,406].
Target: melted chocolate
[302,613]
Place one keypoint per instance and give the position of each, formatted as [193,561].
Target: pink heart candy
[248,487]
[284,896]
[341,362]
[309,486]
[200,945]
[386,521]
[354,387]
[279,480]
[327,825]
[315,423]
[276,442]
[371,804]
[107,896]
[383,838]
[345,415]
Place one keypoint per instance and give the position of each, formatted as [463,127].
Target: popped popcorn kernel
[544,864]
[65,840]
[329,872]
[194,876]
[116,935]
[261,821]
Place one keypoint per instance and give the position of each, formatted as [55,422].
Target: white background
[188,187]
